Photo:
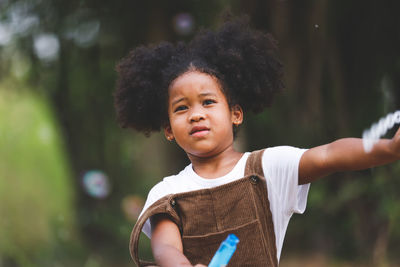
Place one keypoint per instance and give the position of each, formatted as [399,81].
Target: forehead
[194,81]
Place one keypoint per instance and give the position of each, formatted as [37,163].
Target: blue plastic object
[225,251]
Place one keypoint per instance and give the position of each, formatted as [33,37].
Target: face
[200,118]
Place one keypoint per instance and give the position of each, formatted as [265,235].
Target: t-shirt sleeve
[281,168]
[152,197]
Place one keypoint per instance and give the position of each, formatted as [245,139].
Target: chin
[200,154]
[203,153]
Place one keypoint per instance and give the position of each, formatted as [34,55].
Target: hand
[395,143]
[200,265]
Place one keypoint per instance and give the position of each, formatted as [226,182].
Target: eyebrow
[183,98]
[178,100]
[207,94]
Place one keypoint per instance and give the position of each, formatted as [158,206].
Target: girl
[198,94]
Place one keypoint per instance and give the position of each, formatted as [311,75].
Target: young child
[198,94]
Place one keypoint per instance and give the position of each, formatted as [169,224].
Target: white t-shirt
[280,165]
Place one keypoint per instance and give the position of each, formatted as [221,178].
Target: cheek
[226,123]
[176,123]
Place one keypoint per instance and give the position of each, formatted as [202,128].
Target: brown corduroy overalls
[205,218]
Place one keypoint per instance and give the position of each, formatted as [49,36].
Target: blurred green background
[72,182]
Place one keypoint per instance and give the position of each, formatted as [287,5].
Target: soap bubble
[96,184]
[183,24]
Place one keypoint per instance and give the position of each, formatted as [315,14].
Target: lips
[199,130]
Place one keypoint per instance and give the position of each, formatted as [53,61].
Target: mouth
[199,131]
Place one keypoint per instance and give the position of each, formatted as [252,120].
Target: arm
[346,155]
[166,242]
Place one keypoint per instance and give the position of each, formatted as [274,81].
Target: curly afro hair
[243,60]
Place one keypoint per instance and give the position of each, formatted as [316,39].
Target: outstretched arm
[346,155]
[166,243]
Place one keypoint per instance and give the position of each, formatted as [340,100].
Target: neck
[216,165]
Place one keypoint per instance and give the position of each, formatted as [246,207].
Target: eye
[209,102]
[180,108]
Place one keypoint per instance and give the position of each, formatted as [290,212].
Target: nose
[197,114]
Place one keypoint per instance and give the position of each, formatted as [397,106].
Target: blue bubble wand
[225,252]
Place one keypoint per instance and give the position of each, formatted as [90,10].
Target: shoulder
[282,154]
[281,159]
[161,189]
[169,185]
[283,151]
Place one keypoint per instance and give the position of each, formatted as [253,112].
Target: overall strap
[162,206]
[254,163]
[254,168]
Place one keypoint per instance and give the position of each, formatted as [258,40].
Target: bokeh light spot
[132,205]
[46,46]
[84,34]
[45,134]
[5,34]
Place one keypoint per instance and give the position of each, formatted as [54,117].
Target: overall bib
[205,218]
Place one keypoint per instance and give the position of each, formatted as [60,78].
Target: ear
[237,115]
[168,133]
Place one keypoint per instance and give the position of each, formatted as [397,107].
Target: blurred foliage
[37,218]
[57,122]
